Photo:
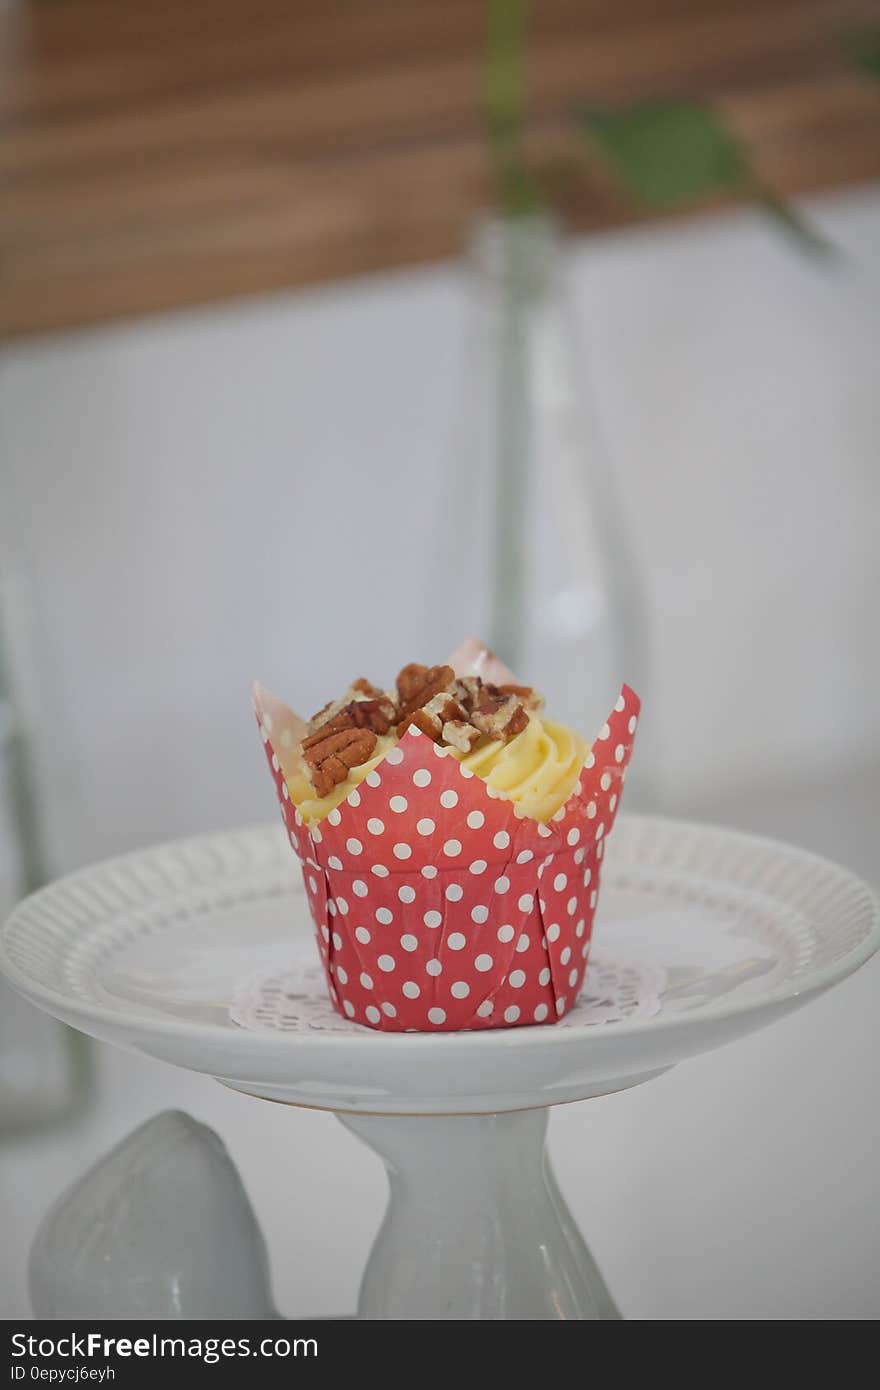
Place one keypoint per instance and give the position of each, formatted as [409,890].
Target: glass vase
[539,503]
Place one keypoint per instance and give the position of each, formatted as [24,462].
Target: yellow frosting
[538,769]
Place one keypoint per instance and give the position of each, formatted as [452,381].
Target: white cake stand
[147,951]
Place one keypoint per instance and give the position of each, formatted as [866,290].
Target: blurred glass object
[566,608]
[159,1228]
[43,1065]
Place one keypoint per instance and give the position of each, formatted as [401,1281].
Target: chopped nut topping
[324,714]
[432,716]
[529,697]
[518,721]
[363,706]
[460,735]
[417,685]
[365,687]
[499,715]
[459,712]
[467,691]
[378,715]
[331,754]
[421,720]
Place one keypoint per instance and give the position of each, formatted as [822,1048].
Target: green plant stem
[504,101]
[801,231]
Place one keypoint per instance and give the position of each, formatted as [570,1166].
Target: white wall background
[170,527]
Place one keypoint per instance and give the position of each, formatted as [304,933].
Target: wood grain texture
[179,151]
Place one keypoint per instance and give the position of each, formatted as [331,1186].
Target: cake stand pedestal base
[476,1226]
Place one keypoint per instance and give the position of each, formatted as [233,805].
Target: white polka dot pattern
[424,889]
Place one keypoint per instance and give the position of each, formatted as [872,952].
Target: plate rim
[67,1006]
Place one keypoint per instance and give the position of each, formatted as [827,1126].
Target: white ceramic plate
[145,952]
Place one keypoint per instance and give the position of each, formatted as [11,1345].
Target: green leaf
[673,153]
[668,153]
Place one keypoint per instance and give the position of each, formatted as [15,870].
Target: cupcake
[451,838]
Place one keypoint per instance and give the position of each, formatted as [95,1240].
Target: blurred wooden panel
[156,153]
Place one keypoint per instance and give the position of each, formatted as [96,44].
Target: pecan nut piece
[499,715]
[460,735]
[466,691]
[377,714]
[364,687]
[420,720]
[431,718]
[331,754]
[417,685]
[526,694]
[325,714]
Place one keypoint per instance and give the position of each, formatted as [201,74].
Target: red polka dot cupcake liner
[438,905]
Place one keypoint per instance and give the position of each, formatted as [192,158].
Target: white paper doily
[294,999]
